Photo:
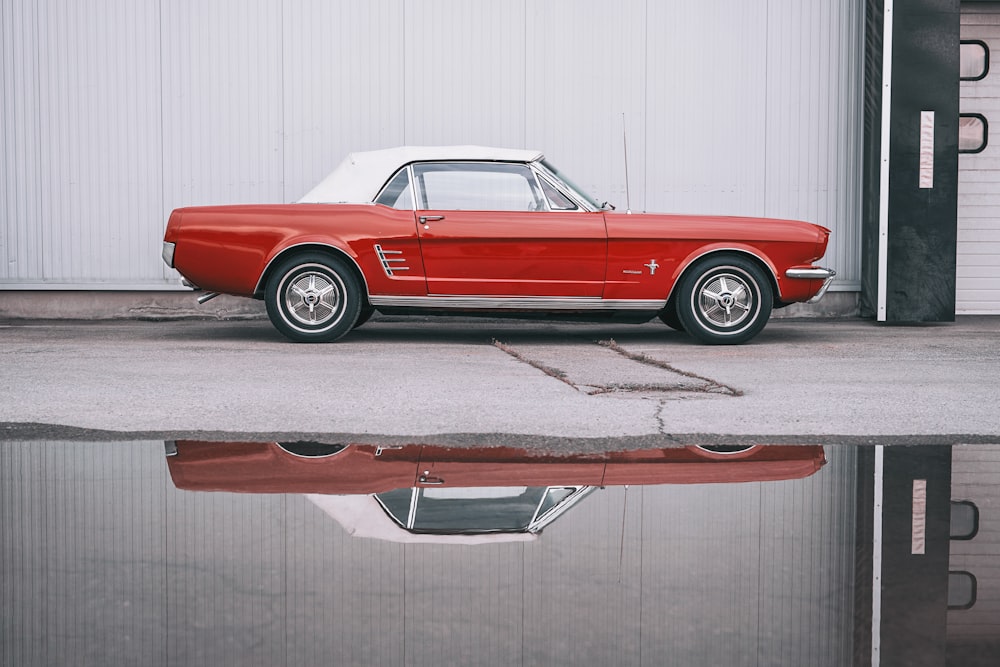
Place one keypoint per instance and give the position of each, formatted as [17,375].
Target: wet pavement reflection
[244,553]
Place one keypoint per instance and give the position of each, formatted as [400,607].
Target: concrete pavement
[466,381]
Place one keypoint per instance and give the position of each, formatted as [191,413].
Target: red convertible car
[461,495]
[469,229]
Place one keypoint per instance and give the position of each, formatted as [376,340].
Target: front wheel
[724,300]
[313,298]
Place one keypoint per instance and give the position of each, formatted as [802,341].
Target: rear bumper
[168,253]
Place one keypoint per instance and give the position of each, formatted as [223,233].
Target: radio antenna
[628,198]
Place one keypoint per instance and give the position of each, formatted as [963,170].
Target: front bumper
[813,273]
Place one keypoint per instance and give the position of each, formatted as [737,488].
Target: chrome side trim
[540,303]
[390,264]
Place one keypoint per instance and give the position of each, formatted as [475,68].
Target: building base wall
[143,305]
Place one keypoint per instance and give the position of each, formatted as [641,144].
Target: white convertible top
[360,176]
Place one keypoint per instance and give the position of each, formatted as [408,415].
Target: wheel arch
[304,248]
[761,261]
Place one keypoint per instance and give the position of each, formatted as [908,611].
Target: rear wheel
[724,300]
[313,298]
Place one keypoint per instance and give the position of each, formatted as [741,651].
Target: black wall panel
[922,222]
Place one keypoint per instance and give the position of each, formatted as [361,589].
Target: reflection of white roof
[363,516]
[361,175]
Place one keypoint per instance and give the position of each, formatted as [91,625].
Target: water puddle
[193,552]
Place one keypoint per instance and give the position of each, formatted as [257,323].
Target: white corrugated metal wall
[977,285]
[975,476]
[116,111]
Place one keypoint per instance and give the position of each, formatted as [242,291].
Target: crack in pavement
[661,423]
[595,386]
[714,385]
[548,370]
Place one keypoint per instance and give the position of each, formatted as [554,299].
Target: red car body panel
[227,248]
[506,253]
[359,469]
[675,241]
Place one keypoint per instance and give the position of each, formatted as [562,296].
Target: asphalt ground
[537,384]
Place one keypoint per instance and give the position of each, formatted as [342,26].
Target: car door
[486,229]
[505,466]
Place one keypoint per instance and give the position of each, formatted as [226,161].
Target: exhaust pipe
[208,296]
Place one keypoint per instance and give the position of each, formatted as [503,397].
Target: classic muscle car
[467,492]
[469,229]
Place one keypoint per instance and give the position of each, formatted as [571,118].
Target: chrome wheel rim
[726,300]
[313,298]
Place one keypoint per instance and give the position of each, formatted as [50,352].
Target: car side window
[556,199]
[475,186]
[397,192]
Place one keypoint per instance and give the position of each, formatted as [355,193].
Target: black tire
[670,317]
[727,450]
[311,450]
[724,300]
[365,315]
[313,298]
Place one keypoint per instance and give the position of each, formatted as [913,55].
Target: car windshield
[571,185]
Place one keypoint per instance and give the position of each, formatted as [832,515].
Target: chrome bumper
[168,253]
[813,273]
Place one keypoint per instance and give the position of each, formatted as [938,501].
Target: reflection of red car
[271,467]
[444,490]
[473,229]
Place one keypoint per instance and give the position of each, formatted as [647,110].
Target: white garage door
[977,288]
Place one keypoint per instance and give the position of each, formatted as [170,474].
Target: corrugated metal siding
[82,546]
[116,112]
[977,281]
[780,592]
[82,199]
[105,562]
[975,476]
[813,123]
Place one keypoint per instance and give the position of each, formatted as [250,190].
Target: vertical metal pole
[877,558]
[883,207]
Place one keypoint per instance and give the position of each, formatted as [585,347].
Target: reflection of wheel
[313,298]
[724,299]
[725,449]
[311,450]
[669,317]
[720,452]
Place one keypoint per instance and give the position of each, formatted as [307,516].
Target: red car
[446,491]
[468,229]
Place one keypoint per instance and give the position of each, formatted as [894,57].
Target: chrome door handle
[424,219]
[424,479]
